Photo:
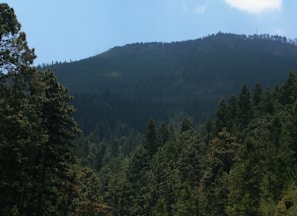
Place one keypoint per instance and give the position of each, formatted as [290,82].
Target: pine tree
[19,114]
[291,128]
[232,107]
[224,149]
[14,53]
[137,194]
[86,188]
[245,179]
[244,105]
[56,154]
[266,105]
[186,125]
[151,142]
[288,91]
[257,93]
[222,116]
[213,184]
[288,204]
[163,134]
[20,135]
[256,99]
[37,128]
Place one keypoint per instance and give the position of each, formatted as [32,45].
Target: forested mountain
[136,81]
[240,161]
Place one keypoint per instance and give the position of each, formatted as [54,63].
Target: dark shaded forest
[241,162]
[134,82]
[202,127]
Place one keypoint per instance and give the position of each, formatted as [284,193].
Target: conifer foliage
[241,162]
[37,131]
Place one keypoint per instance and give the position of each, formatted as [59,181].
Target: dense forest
[239,160]
[172,80]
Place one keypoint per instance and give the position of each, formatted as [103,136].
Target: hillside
[242,161]
[136,81]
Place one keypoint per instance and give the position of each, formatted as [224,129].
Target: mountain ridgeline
[168,80]
[242,161]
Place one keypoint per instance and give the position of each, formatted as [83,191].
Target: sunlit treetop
[14,51]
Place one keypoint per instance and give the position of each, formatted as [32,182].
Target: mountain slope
[136,81]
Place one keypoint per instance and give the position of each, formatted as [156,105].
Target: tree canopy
[37,132]
[240,161]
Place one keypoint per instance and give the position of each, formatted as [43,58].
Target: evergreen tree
[37,128]
[14,53]
[186,125]
[21,93]
[163,134]
[266,105]
[288,90]
[288,204]
[257,93]
[214,182]
[137,195]
[245,178]
[21,135]
[151,142]
[256,99]
[222,116]
[87,200]
[161,167]
[232,107]
[224,149]
[55,155]
[244,105]
[291,128]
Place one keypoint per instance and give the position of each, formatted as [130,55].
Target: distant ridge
[140,80]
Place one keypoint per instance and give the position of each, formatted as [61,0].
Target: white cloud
[195,6]
[255,6]
[200,9]
[202,6]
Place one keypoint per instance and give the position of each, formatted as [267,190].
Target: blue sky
[63,30]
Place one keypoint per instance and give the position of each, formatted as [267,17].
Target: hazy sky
[75,29]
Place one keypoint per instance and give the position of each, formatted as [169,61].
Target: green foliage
[86,188]
[245,180]
[186,125]
[138,190]
[288,204]
[211,171]
[37,132]
[222,116]
[257,93]
[244,109]
[266,105]
[14,54]
[288,90]
[241,162]
[138,81]
[151,142]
